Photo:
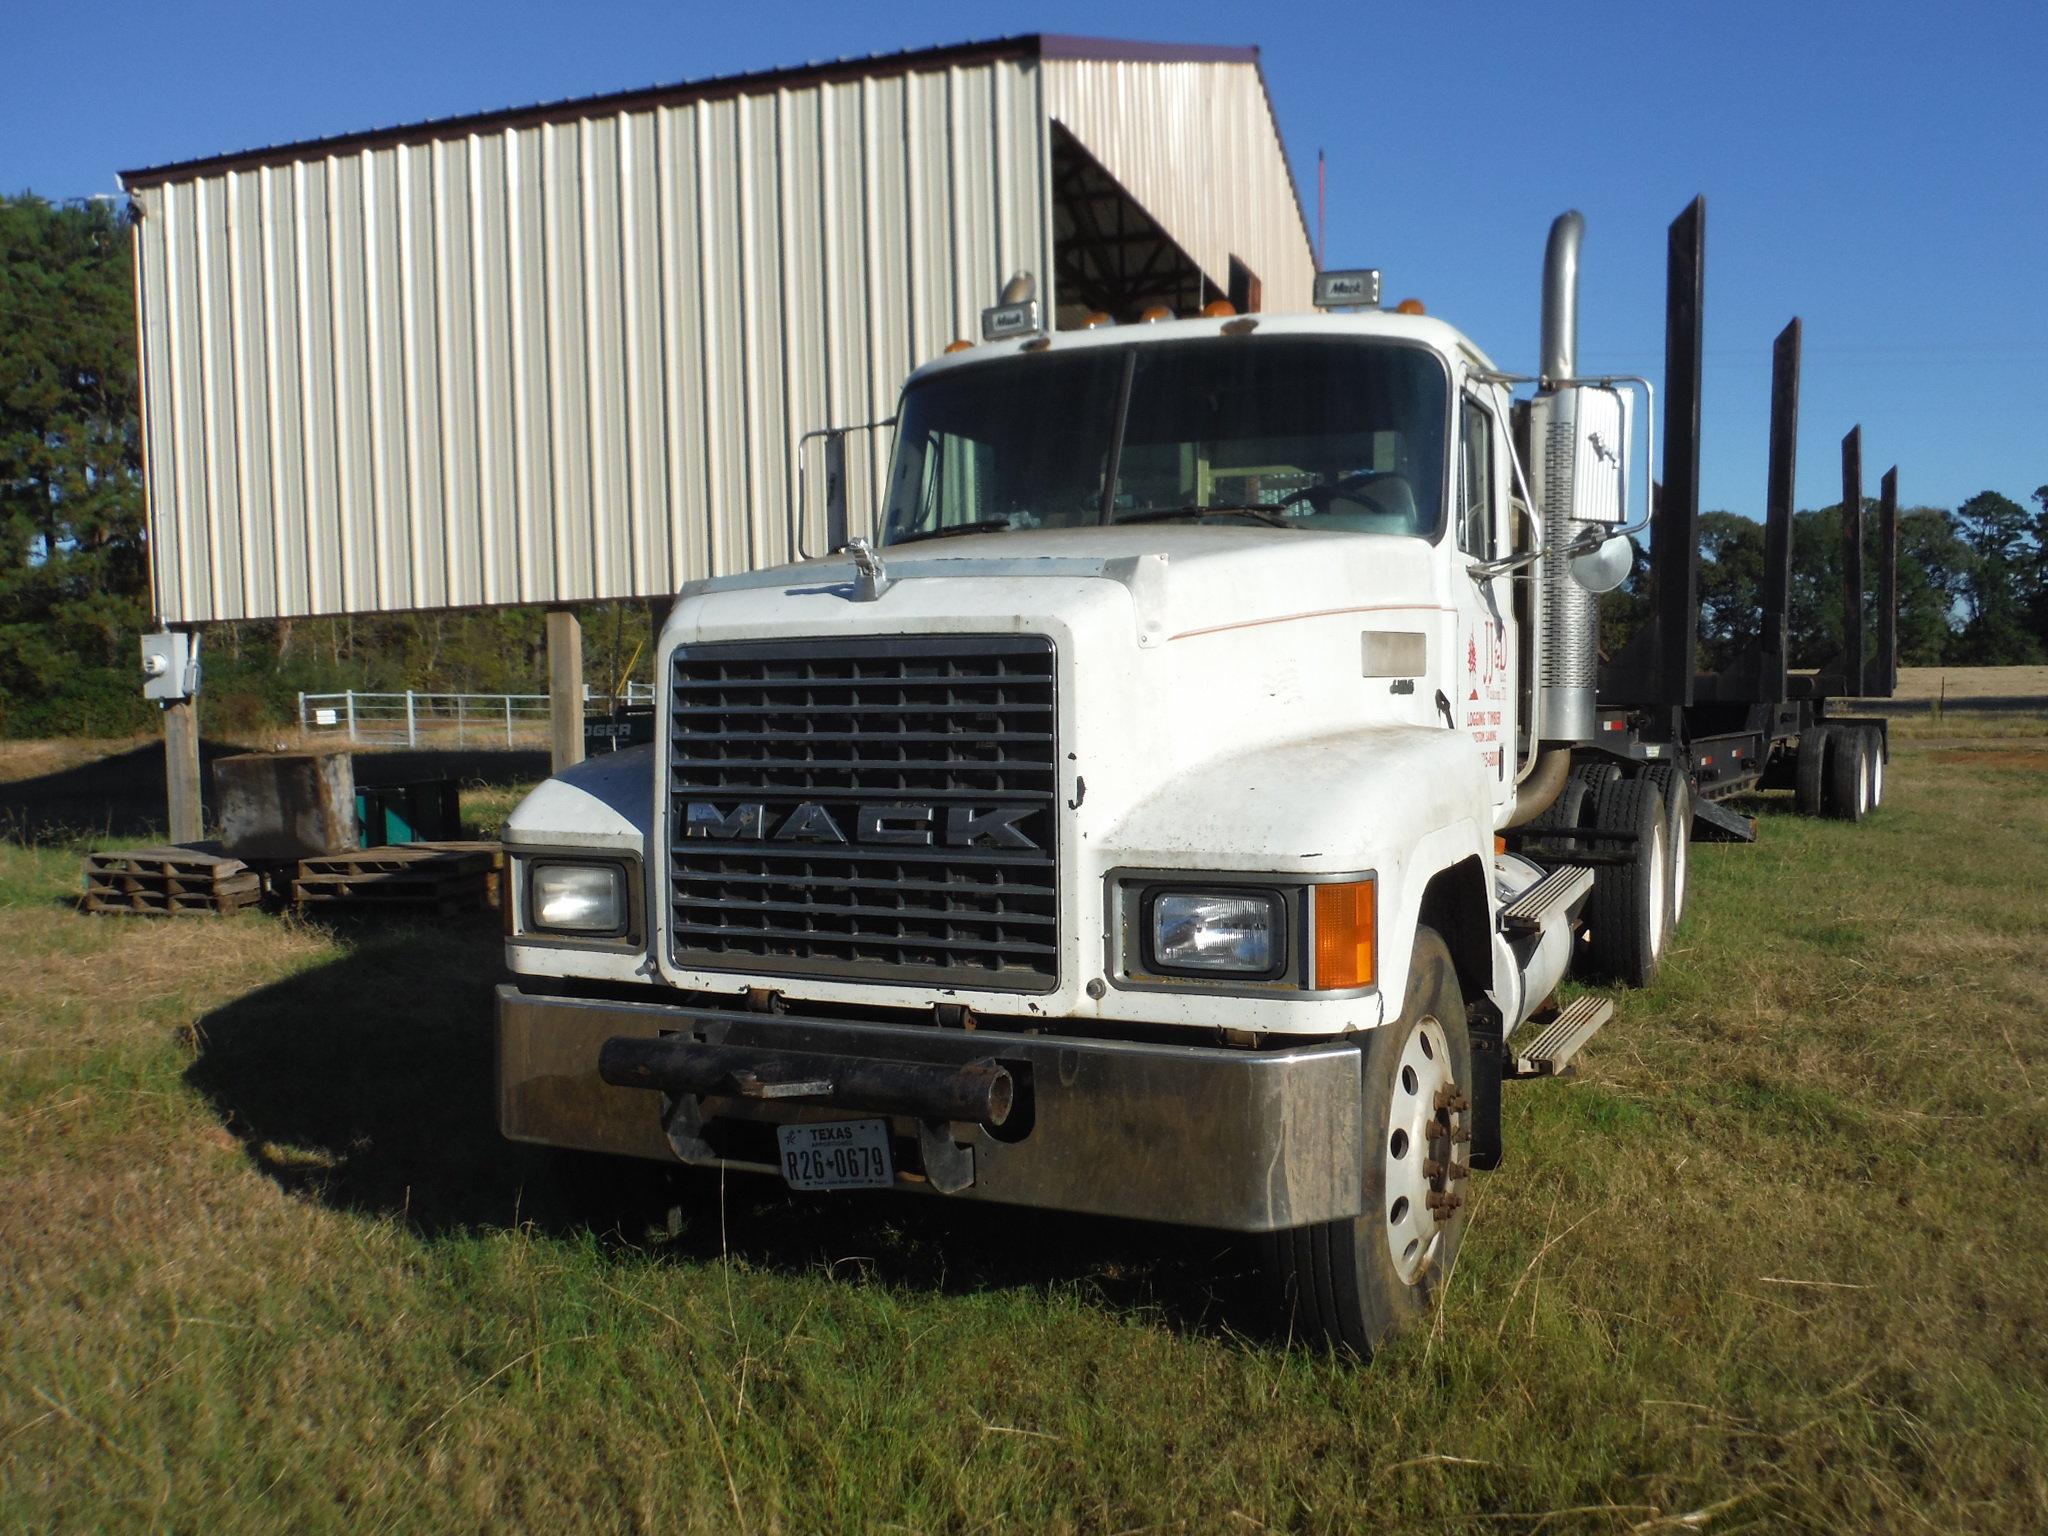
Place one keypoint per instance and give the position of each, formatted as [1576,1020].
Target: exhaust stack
[1561,296]
[1568,664]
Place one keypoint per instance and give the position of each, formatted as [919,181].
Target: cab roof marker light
[1016,314]
[1356,288]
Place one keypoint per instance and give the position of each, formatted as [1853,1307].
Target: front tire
[1351,1284]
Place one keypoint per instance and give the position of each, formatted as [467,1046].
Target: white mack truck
[1185,808]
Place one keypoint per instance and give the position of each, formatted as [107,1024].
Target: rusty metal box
[286,805]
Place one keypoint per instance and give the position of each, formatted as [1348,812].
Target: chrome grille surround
[827,777]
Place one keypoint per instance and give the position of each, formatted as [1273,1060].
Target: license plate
[849,1154]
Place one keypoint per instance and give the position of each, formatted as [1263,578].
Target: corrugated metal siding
[558,361]
[568,359]
[1195,145]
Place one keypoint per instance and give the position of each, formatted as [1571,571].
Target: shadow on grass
[367,1084]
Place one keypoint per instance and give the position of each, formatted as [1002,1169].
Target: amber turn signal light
[1345,926]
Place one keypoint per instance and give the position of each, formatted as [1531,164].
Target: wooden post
[565,687]
[181,770]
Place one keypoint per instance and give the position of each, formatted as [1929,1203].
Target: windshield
[1310,432]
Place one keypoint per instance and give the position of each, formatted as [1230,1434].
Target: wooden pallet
[172,881]
[494,885]
[407,875]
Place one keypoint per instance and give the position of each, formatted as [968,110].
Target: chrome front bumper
[1248,1141]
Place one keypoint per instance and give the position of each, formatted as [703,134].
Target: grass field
[1777,1259]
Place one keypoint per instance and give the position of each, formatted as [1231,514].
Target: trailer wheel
[1874,747]
[1676,789]
[1628,915]
[1810,773]
[1846,796]
[1350,1284]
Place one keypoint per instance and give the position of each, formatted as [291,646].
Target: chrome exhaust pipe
[1568,648]
[1561,297]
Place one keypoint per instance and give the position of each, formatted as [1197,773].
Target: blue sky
[1880,169]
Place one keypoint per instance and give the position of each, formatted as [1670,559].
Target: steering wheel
[1354,488]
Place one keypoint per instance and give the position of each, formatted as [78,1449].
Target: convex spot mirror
[1604,568]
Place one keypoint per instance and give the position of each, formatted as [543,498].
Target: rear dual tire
[1676,789]
[1629,915]
[1840,772]
[1849,781]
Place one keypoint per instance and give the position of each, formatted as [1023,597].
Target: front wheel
[1350,1284]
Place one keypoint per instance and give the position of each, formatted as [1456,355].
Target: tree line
[1973,585]
[1973,581]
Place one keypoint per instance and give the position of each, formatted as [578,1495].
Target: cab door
[1488,653]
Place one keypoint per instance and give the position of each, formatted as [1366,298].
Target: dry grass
[1961,684]
[1777,1259]
[35,758]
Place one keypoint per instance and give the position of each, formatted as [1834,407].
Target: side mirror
[835,492]
[1605,566]
[838,498]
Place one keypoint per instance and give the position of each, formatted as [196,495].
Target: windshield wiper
[978,525]
[1241,508]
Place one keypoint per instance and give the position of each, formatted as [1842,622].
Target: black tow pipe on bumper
[981,1091]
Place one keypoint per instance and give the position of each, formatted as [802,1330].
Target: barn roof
[1040,45]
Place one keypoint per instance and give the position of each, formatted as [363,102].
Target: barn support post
[181,769]
[565,687]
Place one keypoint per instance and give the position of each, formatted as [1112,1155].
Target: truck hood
[1247,701]
[1175,581]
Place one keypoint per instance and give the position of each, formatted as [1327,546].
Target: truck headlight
[1237,933]
[576,898]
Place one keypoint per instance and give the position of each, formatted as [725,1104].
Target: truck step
[1562,1039]
[1528,912]
[1713,822]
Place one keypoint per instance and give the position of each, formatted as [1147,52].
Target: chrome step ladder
[1527,913]
[1551,1051]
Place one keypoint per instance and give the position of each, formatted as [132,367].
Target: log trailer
[1188,804]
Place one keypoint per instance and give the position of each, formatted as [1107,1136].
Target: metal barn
[566,353]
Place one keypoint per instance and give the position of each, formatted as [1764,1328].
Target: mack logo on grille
[964,826]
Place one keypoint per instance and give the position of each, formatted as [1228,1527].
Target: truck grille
[877,810]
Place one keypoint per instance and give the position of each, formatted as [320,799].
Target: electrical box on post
[170,665]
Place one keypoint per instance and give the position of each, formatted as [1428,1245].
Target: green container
[429,811]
